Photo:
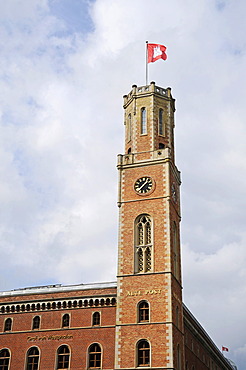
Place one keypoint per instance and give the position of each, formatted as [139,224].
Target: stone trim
[57,304]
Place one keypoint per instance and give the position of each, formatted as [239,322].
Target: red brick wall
[50,336]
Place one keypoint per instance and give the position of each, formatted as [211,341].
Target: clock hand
[143,184]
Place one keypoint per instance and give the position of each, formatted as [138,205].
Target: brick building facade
[141,320]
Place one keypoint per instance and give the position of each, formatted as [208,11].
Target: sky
[64,67]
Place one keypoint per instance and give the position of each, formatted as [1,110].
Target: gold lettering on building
[153,291]
[49,337]
[133,293]
[141,292]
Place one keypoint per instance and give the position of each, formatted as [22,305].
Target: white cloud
[61,126]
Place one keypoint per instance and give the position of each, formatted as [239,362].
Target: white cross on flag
[155,52]
[225,349]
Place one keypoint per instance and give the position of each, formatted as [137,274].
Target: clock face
[143,185]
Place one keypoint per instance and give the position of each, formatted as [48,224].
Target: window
[143,311]
[96,319]
[63,355]
[4,359]
[32,359]
[95,356]
[175,250]
[143,244]
[161,126]
[36,323]
[129,127]
[177,317]
[143,121]
[65,320]
[143,353]
[8,325]
[178,358]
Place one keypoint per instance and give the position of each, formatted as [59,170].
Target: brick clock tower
[149,323]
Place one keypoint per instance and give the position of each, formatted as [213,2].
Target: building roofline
[208,338]
[57,288]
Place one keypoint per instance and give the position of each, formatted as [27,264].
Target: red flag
[225,349]
[155,52]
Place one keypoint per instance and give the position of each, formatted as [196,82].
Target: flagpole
[146,63]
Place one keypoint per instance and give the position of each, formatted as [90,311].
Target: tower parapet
[149,119]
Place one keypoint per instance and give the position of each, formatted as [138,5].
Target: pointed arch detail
[143,244]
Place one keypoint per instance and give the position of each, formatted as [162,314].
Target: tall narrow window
[32,359]
[143,244]
[8,324]
[178,358]
[65,320]
[143,353]
[175,251]
[177,317]
[148,259]
[95,356]
[63,356]
[129,127]
[36,323]
[4,359]
[143,121]
[143,311]
[161,126]
[96,319]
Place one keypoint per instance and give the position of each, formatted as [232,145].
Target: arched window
[65,320]
[63,356]
[143,244]
[95,356]
[161,122]
[32,360]
[175,251]
[143,121]
[143,353]
[4,359]
[143,311]
[36,323]
[96,318]
[129,127]
[8,324]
